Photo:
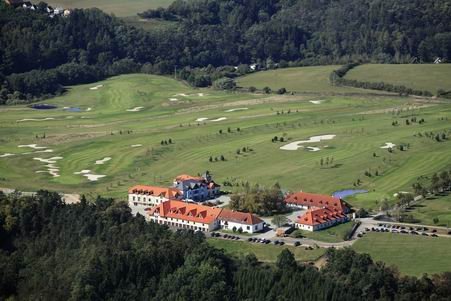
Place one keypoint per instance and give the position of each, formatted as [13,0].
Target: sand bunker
[87,173]
[236,109]
[314,139]
[219,119]
[88,109]
[33,146]
[52,169]
[84,171]
[200,94]
[316,102]
[201,119]
[173,99]
[106,159]
[96,87]
[313,148]
[136,145]
[135,109]
[34,119]
[388,145]
[6,155]
[45,151]
[181,94]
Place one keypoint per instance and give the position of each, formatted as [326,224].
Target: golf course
[115,130]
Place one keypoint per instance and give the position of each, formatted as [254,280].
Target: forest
[97,250]
[40,55]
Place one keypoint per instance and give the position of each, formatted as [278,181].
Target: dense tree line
[99,251]
[213,39]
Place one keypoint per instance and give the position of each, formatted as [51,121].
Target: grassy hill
[429,77]
[111,124]
[413,255]
[300,79]
[117,7]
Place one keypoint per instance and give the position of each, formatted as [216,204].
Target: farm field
[429,77]
[266,253]
[299,79]
[413,255]
[111,139]
[333,234]
[117,7]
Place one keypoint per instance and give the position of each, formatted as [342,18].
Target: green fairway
[300,79]
[128,116]
[429,77]
[117,7]
[264,252]
[429,209]
[413,255]
[333,234]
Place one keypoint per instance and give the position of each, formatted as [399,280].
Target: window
[248,228]
[133,197]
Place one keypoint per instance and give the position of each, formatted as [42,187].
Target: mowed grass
[412,255]
[300,79]
[429,77]
[118,7]
[266,253]
[428,209]
[333,234]
[104,128]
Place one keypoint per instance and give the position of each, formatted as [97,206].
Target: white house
[150,196]
[320,218]
[235,220]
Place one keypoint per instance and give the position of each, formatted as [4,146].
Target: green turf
[431,208]
[267,253]
[333,234]
[412,255]
[362,124]
[300,79]
[118,7]
[429,77]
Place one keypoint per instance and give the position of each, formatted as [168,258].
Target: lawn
[428,209]
[118,7]
[412,255]
[333,234]
[429,77]
[267,253]
[127,117]
[300,79]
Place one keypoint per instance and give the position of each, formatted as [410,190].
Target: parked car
[282,243]
[434,235]
[424,234]
[276,242]
[297,244]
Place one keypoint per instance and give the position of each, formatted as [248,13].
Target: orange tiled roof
[319,216]
[315,200]
[170,193]
[187,211]
[239,217]
[188,177]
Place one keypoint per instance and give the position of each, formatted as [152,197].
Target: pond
[43,106]
[347,192]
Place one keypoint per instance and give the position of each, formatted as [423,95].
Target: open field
[333,234]
[429,77]
[126,117]
[413,255]
[117,7]
[267,253]
[300,79]
[429,209]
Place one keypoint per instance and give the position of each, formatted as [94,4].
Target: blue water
[43,106]
[347,192]
[73,109]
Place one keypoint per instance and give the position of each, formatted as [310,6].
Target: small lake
[347,192]
[43,106]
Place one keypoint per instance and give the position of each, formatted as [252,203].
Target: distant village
[181,206]
[52,12]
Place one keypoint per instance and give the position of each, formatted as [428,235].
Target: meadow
[125,119]
[429,77]
[265,253]
[412,255]
[116,7]
[333,234]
